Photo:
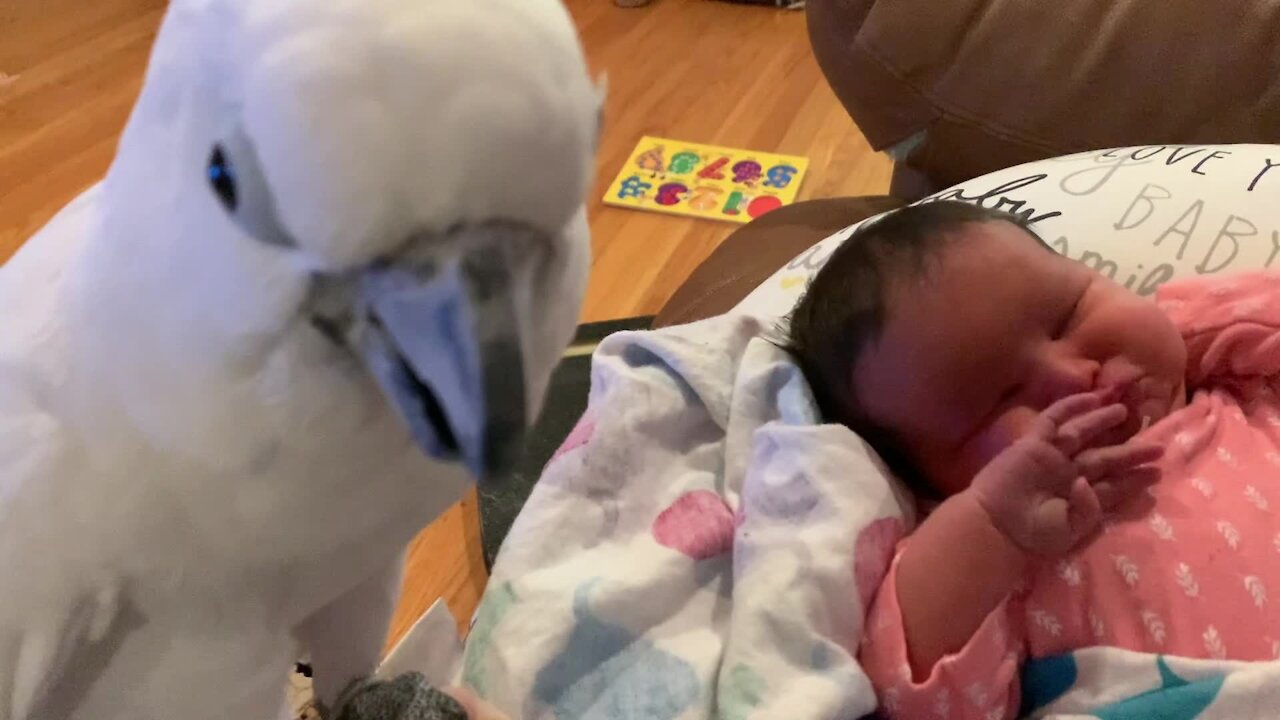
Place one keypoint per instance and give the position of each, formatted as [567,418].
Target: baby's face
[995,333]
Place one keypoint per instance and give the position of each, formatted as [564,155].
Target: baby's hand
[1048,491]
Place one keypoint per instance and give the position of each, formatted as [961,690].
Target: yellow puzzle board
[706,181]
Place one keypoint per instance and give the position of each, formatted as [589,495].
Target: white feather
[1256,497]
[1097,626]
[1257,590]
[942,703]
[1204,487]
[1155,627]
[1213,643]
[1047,622]
[1069,572]
[1187,581]
[1127,569]
[1160,526]
[1229,534]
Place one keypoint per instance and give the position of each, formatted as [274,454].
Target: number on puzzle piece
[780,176]
[763,204]
[712,171]
[733,206]
[747,172]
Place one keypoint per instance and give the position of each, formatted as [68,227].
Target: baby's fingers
[1060,523]
[1057,414]
[1080,431]
[1097,463]
[1116,490]
[1051,527]
[1086,508]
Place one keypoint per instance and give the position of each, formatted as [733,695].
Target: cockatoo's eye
[223,178]
[235,175]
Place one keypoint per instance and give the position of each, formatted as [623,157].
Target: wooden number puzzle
[705,181]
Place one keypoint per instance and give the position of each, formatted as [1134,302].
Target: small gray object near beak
[407,697]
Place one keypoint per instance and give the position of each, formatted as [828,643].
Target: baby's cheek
[1003,432]
[1139,332]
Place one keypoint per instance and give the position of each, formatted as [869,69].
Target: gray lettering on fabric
[1146,197]
[1233,229]
[1192,213]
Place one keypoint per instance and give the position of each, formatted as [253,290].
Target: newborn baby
[1105,464]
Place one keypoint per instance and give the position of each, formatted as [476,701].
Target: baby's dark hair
[844,309]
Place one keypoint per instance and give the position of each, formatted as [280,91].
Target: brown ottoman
[755,251]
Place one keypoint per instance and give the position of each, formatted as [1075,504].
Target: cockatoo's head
[403,178]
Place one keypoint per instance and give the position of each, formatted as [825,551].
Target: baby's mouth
[1148,400]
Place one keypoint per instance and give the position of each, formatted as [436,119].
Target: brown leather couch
[965,87]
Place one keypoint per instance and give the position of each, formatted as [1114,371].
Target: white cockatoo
[321,288]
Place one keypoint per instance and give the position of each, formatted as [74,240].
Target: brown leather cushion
[1000,82]
[756,250]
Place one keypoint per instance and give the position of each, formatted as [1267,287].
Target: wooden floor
[691,69]
[706,72]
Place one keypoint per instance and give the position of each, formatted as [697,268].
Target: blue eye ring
[222,178]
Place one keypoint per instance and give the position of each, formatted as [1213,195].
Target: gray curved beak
[442,341]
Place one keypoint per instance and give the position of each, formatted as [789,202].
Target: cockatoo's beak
[441,338]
